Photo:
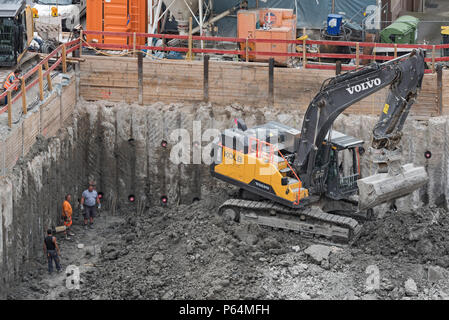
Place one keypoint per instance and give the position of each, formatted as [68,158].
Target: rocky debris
[130,237]
[435,273]
[296,270]
[386,285]
[424,246]
[318,252]
[411,288]
[212,259]
[417,233]
[158,258]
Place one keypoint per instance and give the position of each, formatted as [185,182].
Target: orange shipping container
[116,16]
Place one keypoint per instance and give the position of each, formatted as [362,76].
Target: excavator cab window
[12,37]
[342,173]
[8,41]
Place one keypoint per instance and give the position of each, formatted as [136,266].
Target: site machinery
[310,181]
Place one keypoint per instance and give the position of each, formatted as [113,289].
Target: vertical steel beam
[271,81]
[140,76]
[206,78]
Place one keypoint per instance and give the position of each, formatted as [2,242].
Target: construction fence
[248,83]
[134,79]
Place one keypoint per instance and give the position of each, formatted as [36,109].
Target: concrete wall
[245,83]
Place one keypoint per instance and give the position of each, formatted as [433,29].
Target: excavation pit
[180,248]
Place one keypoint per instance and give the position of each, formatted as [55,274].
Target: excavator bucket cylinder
[384,187]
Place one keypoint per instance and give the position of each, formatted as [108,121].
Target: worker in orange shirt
[67,216]
[11,81]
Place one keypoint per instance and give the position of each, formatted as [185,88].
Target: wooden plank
[236,82]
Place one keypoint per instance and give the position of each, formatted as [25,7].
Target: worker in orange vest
[67,216]
[11,81]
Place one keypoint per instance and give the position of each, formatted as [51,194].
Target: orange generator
[267,23]
[116,16]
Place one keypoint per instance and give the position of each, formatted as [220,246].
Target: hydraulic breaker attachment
[391,181]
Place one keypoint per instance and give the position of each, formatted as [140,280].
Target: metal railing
[261,152]
[304,55]
[60,53]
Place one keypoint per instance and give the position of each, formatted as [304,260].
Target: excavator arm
[404,76]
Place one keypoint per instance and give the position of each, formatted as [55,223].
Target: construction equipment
[282,171]
[279,24]
[67,13]
[117,16]
[16,31]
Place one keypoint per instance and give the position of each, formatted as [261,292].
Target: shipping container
[116,16]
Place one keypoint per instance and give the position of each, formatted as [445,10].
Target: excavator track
[309,221]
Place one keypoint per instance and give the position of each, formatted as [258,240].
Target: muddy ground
[188,252]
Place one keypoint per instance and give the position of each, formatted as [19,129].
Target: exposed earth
[189,252]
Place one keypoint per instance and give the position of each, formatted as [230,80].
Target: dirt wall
[120,146]
[125,156]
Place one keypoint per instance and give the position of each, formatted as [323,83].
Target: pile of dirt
[188,252]
[421,235]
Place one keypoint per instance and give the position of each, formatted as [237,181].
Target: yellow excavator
[309,181]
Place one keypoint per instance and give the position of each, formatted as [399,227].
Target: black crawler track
[308,221]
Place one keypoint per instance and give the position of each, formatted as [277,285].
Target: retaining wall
[45,119]
[231,82]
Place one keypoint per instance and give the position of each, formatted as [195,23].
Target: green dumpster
[404,30]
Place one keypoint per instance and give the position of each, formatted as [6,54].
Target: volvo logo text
[364,86]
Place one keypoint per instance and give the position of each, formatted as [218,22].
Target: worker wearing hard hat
[11,81]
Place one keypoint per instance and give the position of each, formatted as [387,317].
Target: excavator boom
[404,76]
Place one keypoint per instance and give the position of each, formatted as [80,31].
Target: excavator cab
[337,166]
[343,167]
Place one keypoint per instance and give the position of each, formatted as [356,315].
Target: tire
[230,214]
[48,46]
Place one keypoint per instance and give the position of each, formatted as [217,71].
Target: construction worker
[67,216]
[51,249]
[11,81]
[89,199]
